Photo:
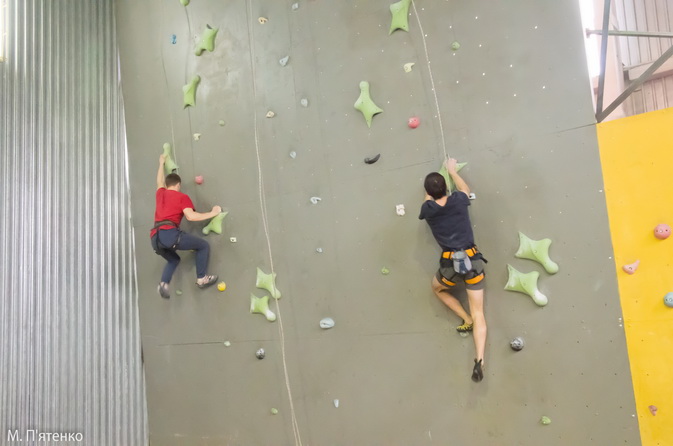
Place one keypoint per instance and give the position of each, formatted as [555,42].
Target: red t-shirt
[170,205]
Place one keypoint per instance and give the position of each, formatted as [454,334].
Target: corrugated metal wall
[70,357]
[651,16]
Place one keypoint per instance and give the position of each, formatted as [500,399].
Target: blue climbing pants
[187,242]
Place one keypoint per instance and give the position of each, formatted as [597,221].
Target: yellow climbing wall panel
[637,160]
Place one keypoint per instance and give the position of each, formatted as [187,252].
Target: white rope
[262,202]
[432,80]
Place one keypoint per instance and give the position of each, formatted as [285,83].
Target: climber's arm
[192,215]
[161,181]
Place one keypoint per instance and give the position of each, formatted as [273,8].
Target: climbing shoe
[477,371]
[163,290]
[206,281]
[464,328]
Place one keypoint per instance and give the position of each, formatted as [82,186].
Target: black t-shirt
[450,224]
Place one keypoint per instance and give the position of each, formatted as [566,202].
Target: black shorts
[474,279]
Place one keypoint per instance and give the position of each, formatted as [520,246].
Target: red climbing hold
[414,122]
[631,268]
[653,409]
[662,231]
[198,180]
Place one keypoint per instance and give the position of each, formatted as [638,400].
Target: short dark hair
[172,179]
[435,185]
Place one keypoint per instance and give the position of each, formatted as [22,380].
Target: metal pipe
[604,53]
[630,33]
[600,116]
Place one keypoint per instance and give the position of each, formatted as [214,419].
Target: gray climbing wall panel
[515,104]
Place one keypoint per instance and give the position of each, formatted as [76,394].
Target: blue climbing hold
[668,300]
[174,39]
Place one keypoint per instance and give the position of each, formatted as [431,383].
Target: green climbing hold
[169,164]
[267,282]
[365,104]
[537,250]
[215,225]
[385,271]
[274,411]
[400,12]
[260,305]
[185,2]
[526,284]
[455,46]
[207,40]
[189,92]
[450,184]
[545,420]
[178,292]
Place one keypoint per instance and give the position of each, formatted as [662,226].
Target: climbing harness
[157,245]
[461,263]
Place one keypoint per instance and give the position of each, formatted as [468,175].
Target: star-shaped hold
[260,305]
[365,105]
[267,282]
[189,92]
[526,284]
[400,12]
[537,250]
[215,224]
[450,184]
[207,40]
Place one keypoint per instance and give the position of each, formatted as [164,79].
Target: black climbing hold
[372,160]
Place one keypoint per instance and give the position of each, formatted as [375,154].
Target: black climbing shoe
[163,290]
[477,372]
[208,281]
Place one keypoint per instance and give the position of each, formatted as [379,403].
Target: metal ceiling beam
[604,52]
[630,33]
[602,114]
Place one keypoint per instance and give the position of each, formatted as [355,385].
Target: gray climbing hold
[284,61]
[668,300]
[260,353]
[304,102]
[293,154]
[315,200]
[372,160]
[295,6]
[517,344]
[326,323]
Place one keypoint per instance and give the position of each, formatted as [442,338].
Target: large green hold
[169,164]
[450,184]
[207,40]
[184,2]
[365,105]
[400,12]
[260,305]
[189,92]
[267,282]
[537,250]
[215,224]
[526,284]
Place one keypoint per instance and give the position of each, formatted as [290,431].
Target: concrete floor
[514,103]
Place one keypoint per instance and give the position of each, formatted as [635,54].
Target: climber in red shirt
[166,236]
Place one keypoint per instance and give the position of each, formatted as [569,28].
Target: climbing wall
[501,86]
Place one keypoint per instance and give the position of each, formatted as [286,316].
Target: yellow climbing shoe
[464,328]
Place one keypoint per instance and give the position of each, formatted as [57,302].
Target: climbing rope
[262,202]
[432,80]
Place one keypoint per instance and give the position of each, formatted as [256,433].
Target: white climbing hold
[197,136]
[293,154]
[315,200]
[221,122]
[232,239]
[400,210]
[295,6]
[336,403]
[270,114]
[408,67]
[284,61]
[227,344]
[318,250]
[262,20]
[304,102]
[472,196]
[326,323]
